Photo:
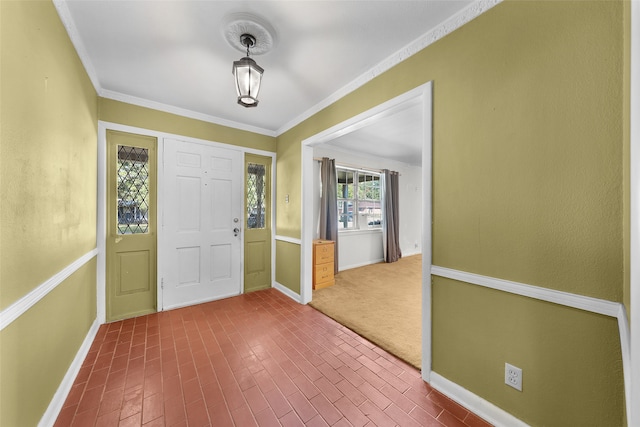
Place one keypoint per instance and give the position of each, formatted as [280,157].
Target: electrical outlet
[513,376]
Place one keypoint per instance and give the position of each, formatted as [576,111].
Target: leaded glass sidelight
[255,195]
[133,190]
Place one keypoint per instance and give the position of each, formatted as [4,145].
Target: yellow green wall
[626,129]
[48,209]
[571,360]
[147,118]
[49,124]
[528,186]
[38,347]
[287,266]
[528,153]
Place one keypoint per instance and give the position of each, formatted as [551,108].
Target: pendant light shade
[247,75]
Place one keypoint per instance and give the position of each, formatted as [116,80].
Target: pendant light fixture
[247,75]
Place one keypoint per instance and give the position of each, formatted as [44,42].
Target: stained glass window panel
[133,190]
[255,195]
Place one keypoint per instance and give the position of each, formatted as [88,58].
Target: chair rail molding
[18,308]
[594,305]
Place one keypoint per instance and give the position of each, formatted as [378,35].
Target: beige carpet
[381,302]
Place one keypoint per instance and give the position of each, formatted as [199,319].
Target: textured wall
[528,147]
[571,360]
[147,118]
[48,150]
[528,153]
[288,265]
[38,347]
[48,208]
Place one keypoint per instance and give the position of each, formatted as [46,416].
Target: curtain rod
[346,165]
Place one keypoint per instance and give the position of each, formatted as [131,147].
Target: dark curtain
[391,216]
[329,205]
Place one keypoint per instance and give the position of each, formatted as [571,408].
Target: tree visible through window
[133,190]
[359,204]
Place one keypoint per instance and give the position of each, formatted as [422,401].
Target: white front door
[202,222]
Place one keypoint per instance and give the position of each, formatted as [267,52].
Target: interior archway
[424,93]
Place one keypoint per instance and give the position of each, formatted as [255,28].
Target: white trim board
[288,240]
[53,410]
[18,308]
[594,305]
[472,11]
[141,102]
[479,406]
[288,292]
[103,126]
[69,25]
[360,264]
[425,94]
[633,417]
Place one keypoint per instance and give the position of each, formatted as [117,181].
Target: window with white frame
[359,205]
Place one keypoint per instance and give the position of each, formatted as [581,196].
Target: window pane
[345,214]
[369,207]
[133,190]
[345,184]
[371,211]
[369,186]
[255,195]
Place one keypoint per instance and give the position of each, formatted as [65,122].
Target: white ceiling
[173,56]
[394,135]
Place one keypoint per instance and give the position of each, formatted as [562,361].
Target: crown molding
[72,31]
[466,15]
[469,13]
[76,40]
[141,102]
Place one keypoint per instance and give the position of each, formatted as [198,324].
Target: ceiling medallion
[237,24]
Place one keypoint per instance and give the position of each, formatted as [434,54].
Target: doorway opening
[424,94]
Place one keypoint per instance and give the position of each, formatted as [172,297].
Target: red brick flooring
[257,359]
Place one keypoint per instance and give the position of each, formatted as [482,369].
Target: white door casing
[202,205]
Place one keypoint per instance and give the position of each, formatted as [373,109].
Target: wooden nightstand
[323,264]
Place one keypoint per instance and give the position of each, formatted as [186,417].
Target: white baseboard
[412,253]
[361,264]
[594,305]
[474,403]
[52,412]
[288,292]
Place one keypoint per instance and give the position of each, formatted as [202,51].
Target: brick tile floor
[258,359]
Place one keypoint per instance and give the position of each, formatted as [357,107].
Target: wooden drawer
[324,253]
[323,276]
[323,272]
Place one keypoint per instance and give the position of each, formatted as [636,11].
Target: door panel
[131,276]
[202,207]
[255,259]
[131,225]
[257,235]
